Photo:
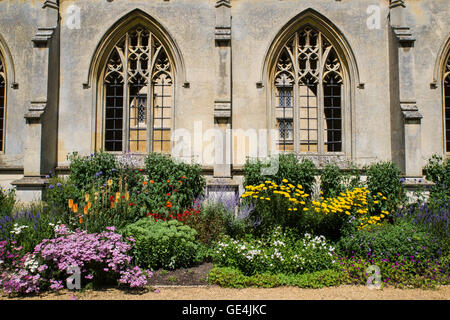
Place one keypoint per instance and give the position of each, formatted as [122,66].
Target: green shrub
[390,240]
[7,201]
[333,180]
[437,170]
[233,278]
[163,244]
[161,168]
[401,271]
[94,169]
[58,192]
[290,168]
[278,253]
[210,223]
[384,177]
[314,280]
[29,225]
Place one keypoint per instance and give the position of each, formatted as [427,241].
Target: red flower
[111,198]
[168,194]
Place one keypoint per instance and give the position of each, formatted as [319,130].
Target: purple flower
[51,186]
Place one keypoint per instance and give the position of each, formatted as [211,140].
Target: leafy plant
[390,240]
[297,172]
[161,168]
[384,177]
[437,170]
[7,201]
[163,244]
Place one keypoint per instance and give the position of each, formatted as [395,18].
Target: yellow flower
[110,182]
[86,197]
[305,209]
[268,199]
[284,181]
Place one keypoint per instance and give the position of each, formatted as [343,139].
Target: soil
[182,277]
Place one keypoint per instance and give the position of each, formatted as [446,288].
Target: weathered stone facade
[391,60]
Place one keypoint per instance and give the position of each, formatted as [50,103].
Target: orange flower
[85,210]
[70,203]
[117,195]
[112,205]
[184,177]
[89,205]
[75,208]
[81,220]
[169,205]
[144,183]
[86,197]
[152,182]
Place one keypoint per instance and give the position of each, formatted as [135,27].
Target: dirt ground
[281,293]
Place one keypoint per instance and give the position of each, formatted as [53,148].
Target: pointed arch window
[446,87]
[3,87]
[308,94]
[138,91]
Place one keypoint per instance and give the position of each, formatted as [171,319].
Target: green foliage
[29,226]
[401,271]
[314,280]
[333,180]
[210,223]
[161,168]
[437,170]
[278,253]
[7,201]
[390,240]
[58,192]
[94,169]
[290,168]
[233,278]
[384,177]
[163,244]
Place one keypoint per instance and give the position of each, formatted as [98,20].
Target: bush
[333,180]
[384,177]
[437,170]
[7,201]
[58,192]
[401,272]
[92,170]
[278,253]
[389,241]
[28,226]
[102,259]
[290,168]
[161,168]
[163,244]
[233,278]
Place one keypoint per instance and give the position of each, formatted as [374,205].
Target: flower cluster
[292,193]
[357,202]
[279,252]
[99,256]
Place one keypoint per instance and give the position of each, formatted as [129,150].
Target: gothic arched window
[3,87]
[138,91]
[308,94]
[446,89]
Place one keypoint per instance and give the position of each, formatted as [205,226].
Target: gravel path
[281,293]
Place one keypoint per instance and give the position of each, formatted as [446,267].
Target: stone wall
[222,51]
